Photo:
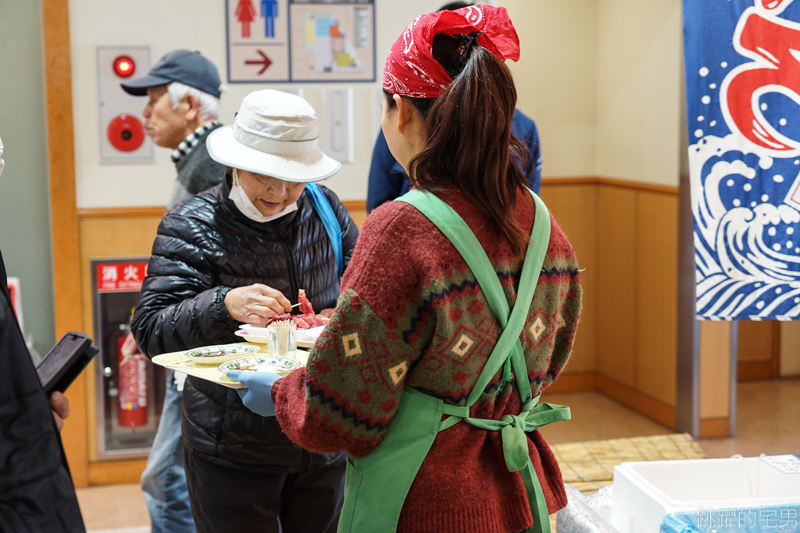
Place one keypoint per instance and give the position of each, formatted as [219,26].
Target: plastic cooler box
[646,492]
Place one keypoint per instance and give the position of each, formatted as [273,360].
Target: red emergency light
[124,66]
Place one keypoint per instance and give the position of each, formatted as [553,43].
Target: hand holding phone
[60,407]
[65,361]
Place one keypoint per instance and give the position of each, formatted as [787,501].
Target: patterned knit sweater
[411,314]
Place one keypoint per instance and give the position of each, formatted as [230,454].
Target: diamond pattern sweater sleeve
[350,390]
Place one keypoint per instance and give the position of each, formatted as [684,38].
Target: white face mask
[2,163]
[248,209]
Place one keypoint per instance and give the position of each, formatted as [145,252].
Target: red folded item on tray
[306,320]
[305,305]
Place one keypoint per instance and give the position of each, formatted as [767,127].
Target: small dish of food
[214,355]
[261,363]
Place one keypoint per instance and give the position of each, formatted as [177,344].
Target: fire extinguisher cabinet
[130,389]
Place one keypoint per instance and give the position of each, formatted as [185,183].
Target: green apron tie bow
[376,485]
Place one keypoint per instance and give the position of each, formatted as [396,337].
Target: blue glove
[258,395]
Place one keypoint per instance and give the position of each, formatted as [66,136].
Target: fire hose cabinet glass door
[130,390]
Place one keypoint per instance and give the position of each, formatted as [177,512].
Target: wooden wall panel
[656,295]
[616,271]
[357,210]
[575,209]
[790,349]
[625,238]
[758,350]
[108,236]
[756,341]
[715,369]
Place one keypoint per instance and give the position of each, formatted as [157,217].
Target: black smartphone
[65,361]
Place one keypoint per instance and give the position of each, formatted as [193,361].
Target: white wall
[197,25]
[556,79]
[638,90]
[599,77]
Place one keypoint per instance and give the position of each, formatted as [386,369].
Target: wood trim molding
[776,349]
[576,180]
[355,205]
[116,472]
[63,214]
[756,370]
[650,407]
[159,210]
[715,428]
[612,182]
[578,382]
[643,404]
[120,212]
[361,205]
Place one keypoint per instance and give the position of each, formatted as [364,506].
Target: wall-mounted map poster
[332,41]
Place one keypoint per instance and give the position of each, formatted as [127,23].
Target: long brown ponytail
[469,142]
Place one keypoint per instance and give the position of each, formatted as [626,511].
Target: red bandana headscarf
[411,69]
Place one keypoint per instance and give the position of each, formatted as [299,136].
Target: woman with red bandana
[458,308]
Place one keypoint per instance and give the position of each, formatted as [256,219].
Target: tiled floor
[597,417]
[116,506]
[767,423]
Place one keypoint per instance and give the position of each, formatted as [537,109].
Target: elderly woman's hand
[254,304]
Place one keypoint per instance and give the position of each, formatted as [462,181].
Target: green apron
[376,485]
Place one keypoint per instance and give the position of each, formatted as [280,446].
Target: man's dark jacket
[204,248]
[36,492]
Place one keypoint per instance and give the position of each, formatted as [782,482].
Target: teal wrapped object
[767,519]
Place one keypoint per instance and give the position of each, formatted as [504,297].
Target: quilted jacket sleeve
[349,228]
[181,305]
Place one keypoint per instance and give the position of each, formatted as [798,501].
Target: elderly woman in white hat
[240,252]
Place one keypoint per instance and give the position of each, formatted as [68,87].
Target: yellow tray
[181,362]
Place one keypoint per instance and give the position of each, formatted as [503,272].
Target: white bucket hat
[274,134]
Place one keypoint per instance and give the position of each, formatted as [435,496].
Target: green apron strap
[464,240]
[533,416]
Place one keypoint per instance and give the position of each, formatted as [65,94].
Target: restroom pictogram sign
[258,40]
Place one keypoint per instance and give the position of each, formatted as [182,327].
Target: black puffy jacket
[204,248]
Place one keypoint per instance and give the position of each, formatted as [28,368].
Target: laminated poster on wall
[743,91]
[300,40]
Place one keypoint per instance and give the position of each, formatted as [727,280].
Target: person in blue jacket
[388,180]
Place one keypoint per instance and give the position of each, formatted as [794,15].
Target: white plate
[250,329]
[306,338]
[251,337]
[214,355]
[261,363]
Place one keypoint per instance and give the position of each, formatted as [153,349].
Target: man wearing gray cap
[183,90]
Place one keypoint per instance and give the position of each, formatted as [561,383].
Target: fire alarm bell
[121,128]
[125,133]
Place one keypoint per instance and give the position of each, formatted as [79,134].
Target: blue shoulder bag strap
[323,208]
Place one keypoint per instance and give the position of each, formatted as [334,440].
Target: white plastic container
[646,492]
